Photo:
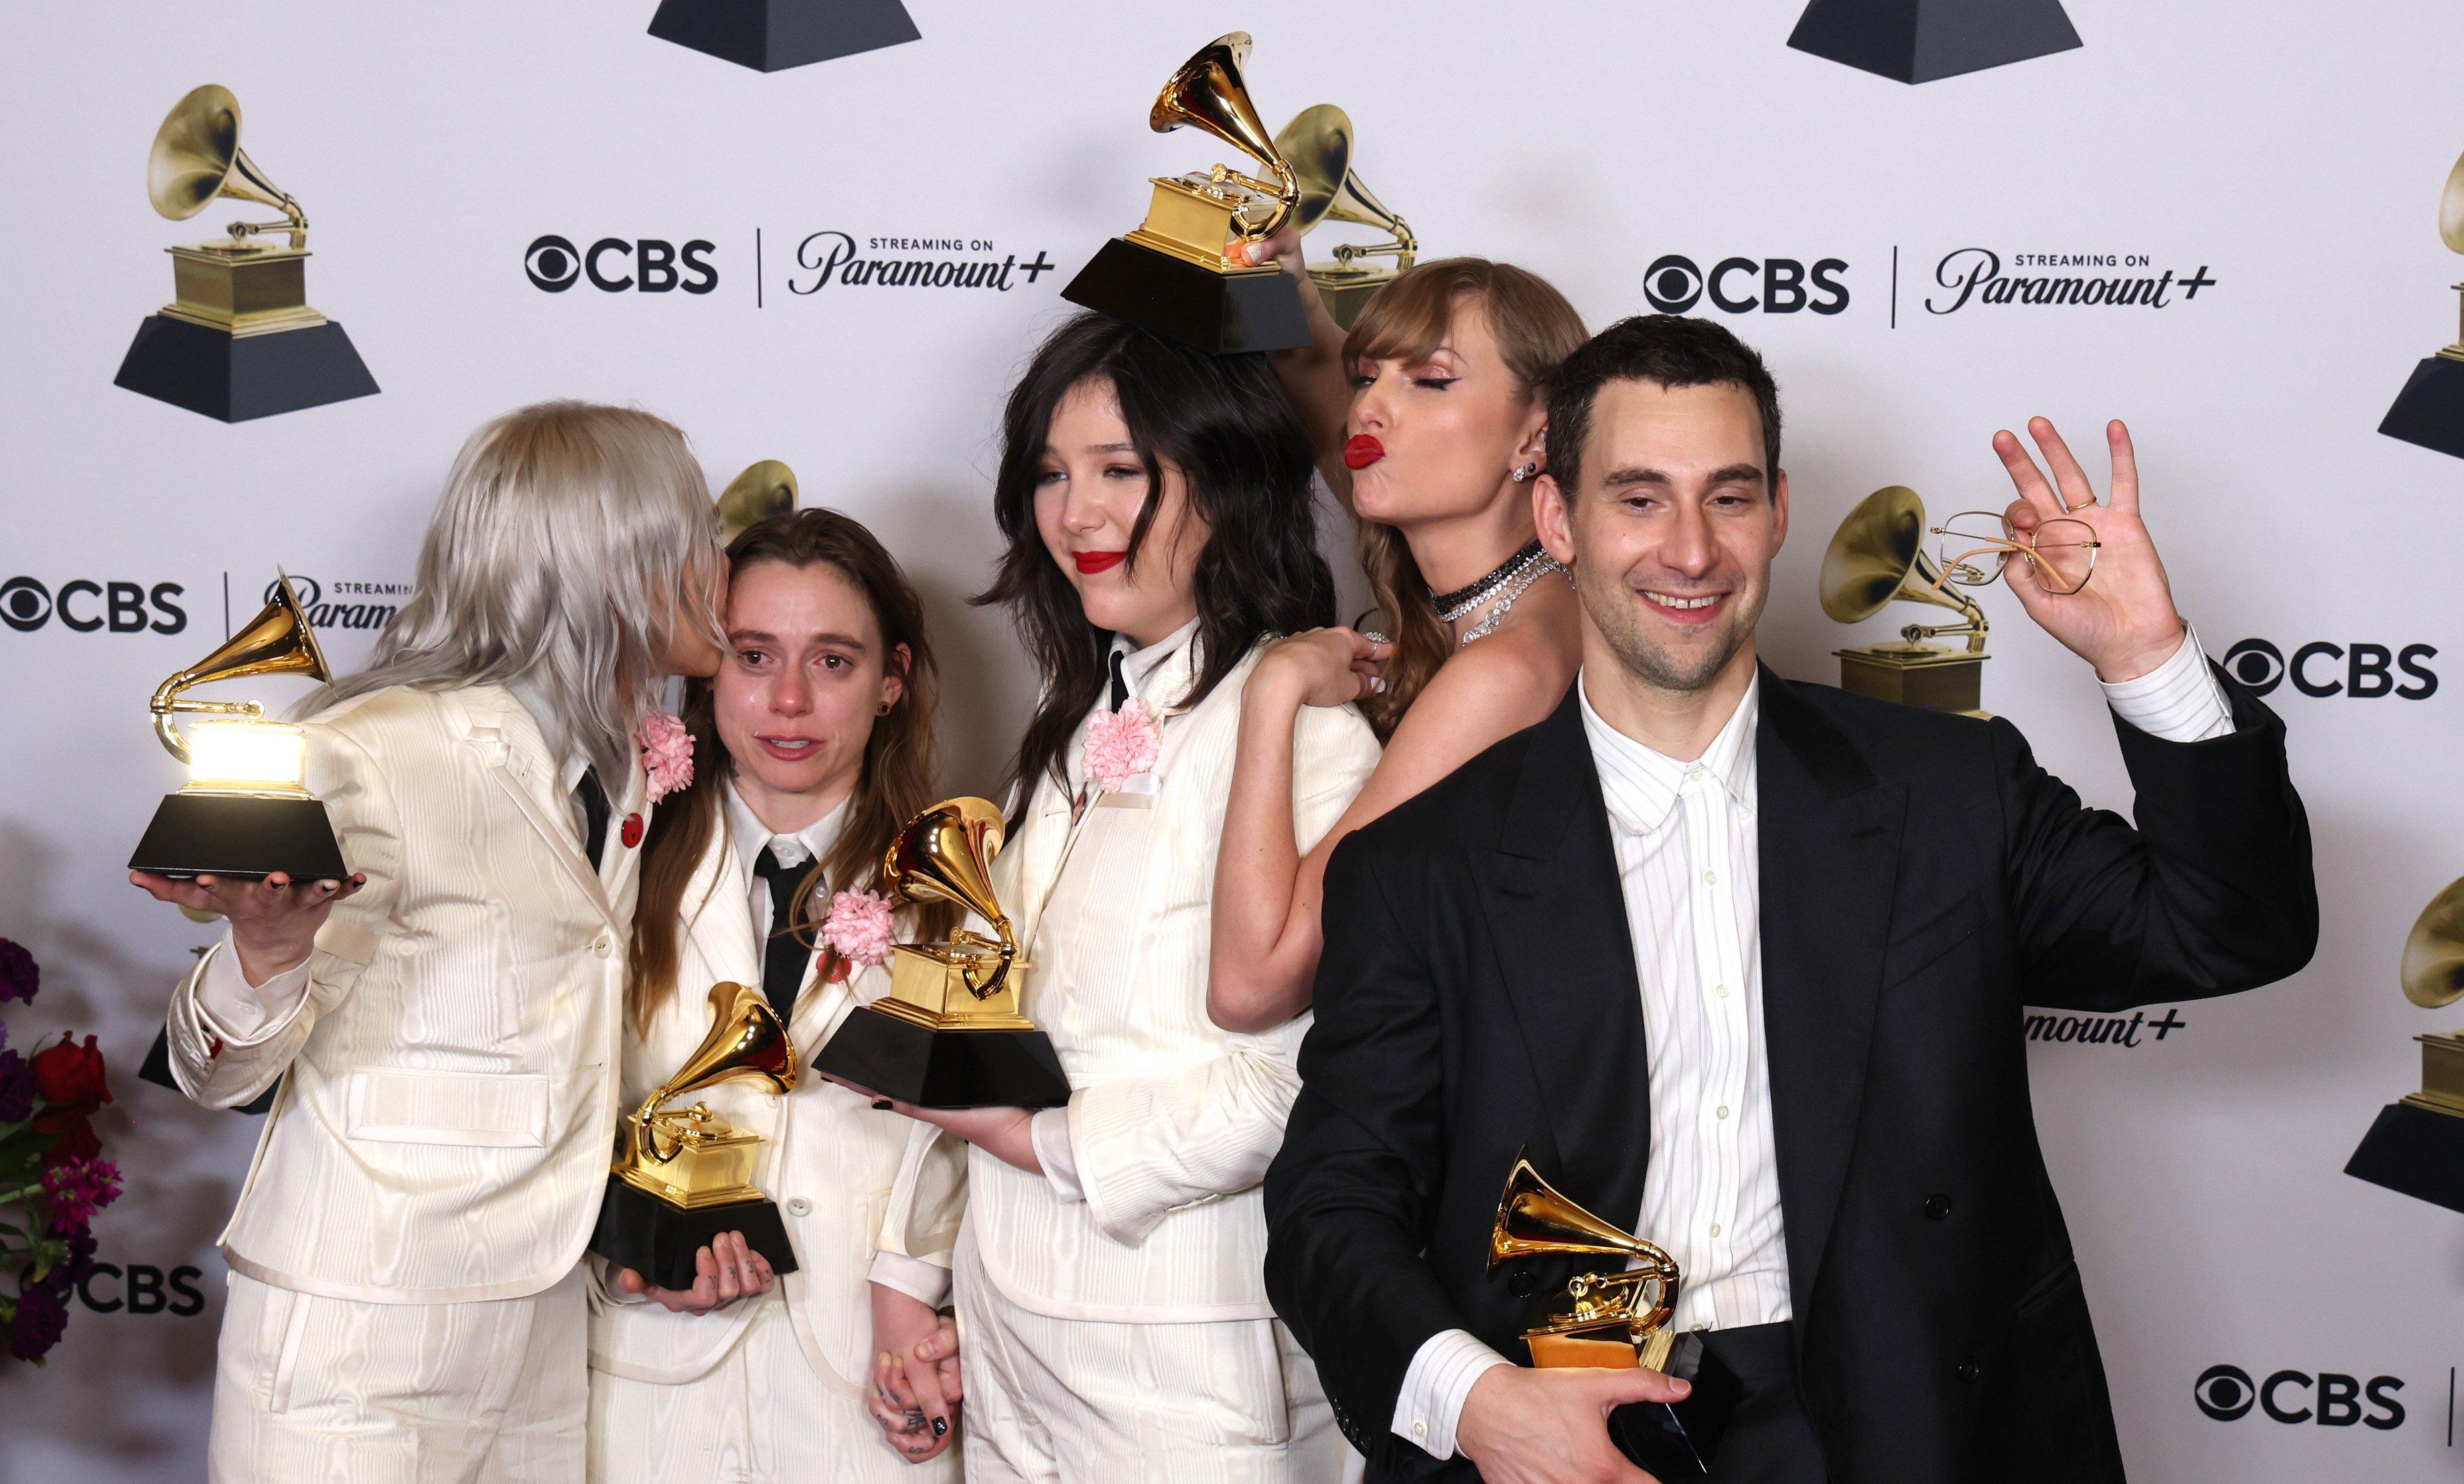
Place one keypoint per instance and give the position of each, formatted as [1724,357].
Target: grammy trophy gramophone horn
[1631,1306]
[2434,951]
[1209,92]
[196,158]
[763,490]
[1319,145]
[278,642]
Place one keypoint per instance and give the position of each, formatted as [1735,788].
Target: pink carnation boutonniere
[1121,745]
[667,754]
[858,928]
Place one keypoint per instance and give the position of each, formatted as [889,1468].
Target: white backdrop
[2285,159]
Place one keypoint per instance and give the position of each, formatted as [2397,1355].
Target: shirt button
[1715,1229]
[1419,1430]
[1694,774]
[1723,1110]
[799,1207]
[1711,878]
[1721,990]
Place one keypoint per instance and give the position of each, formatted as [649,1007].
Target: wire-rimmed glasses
[1978,544]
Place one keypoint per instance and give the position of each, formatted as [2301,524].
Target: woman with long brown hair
[821,720]
[1428,420]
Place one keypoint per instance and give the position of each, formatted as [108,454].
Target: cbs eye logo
[2327,1400]
[1740,285]
[2367,671]
[614,264]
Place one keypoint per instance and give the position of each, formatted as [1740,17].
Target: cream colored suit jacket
[1172,1120]
[448,1079]
[829,1158]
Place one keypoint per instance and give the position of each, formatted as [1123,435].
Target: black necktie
[1120,682]
[593,799]
[784,955]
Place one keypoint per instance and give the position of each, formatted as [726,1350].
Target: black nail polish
[941,1426]
[881,1105]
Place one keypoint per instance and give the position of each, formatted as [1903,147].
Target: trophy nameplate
[949,1033]
[2429,410]
[1877,557]
[1172,275]
[2416,1146]
[684,1176]
[772,35]
[246,811]
[238,340]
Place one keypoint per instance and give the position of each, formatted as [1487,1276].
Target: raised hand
[725,1271]
[273,922]
[1552,1427]
[2123,622]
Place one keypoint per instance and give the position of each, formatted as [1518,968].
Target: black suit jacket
[1922,880]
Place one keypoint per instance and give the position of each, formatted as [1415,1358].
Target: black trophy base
[239,836]
[1221,315]
[2416,1153]
[1923,40]
[2429,410]
[639,1231]
[771,35]
[156,1069]
[945,1069]
[238,377]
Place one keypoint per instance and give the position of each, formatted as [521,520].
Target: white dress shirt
[1049,1129]
[1688,858]
[750,836]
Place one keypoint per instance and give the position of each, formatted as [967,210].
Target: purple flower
[41,1319]
[19,978]
[78,1189]
[16,1088]
[73,1269]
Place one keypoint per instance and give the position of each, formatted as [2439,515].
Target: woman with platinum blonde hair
[407,1290]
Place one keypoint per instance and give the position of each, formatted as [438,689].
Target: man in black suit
[1741,961]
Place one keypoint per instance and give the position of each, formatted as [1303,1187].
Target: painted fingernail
[940,1426]
[881,1105]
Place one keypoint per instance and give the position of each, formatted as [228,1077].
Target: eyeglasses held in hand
[2060,554]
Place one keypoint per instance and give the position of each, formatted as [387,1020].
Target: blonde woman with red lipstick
[822,713]
[1429,419]
[1158,508]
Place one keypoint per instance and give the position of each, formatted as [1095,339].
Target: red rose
[70,1077]
[76,1137]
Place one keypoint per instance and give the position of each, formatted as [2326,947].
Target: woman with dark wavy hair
[1158,508]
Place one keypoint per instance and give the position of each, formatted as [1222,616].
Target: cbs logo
[142,1289]
[2329,1399]
[613,265]
[2367,671]
[26,605]
[1740,285]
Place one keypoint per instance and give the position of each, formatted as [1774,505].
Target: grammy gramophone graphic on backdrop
[1172,275]
[2416,1146]
[1877,557]
[772,35]
[765,489]
[2429,410]
[1318,146]
[1922,41]
[238,340]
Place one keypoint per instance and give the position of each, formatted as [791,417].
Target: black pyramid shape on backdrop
[771,35]
[1922,41]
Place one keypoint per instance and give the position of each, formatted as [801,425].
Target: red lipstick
[1092,562]
[1363,451]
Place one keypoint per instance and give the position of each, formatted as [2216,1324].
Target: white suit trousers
[1229,1402]
[493,1391]
[760,1416]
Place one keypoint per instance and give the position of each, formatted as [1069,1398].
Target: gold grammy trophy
[949,1033]
[763,490]
[2417,1144]
[1877,557]
[2429,410]
[1319,145]
[245,810]
[683,1176]
[1610,1319]
[238,340]
[1173,275]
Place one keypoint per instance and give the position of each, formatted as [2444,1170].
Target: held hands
[723,1271]
[2123,622]
[1322,667]
[915,1382]
[273,922]
[1550,1426]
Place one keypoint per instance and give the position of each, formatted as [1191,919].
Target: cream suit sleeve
[221,1070]
[919,1223]
[1142,1147]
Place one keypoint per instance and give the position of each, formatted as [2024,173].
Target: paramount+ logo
[1676,283]
[87,606]
[2360,672]
[622,265]
[2330,1399]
